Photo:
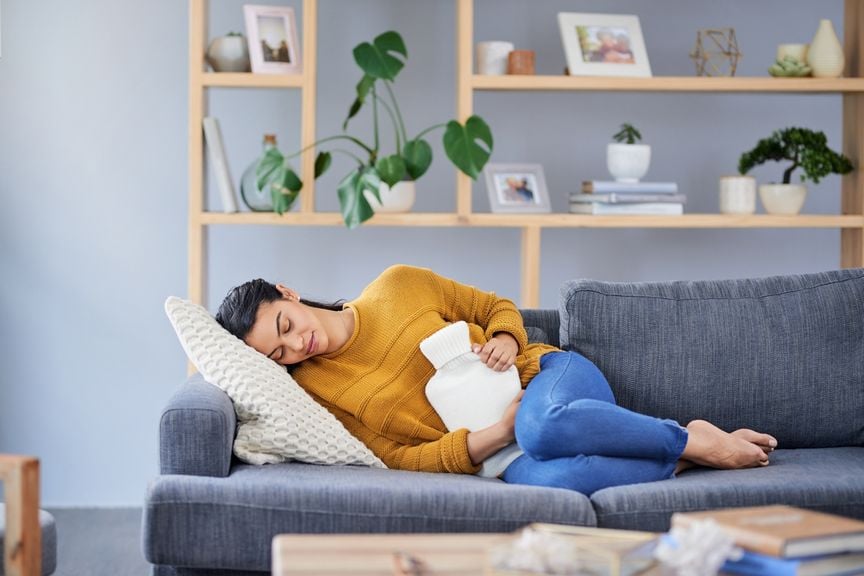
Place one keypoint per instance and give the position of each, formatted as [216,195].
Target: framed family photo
[272,36]
[603,44]
[516,188]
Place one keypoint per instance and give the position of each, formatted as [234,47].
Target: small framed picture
[516,188]
[603,45]
[272,37]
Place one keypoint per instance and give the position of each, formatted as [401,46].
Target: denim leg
[586,474]
[569,410]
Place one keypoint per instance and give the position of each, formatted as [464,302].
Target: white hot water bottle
[468,394]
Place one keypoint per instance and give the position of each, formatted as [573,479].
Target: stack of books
[787,541]
[603,197]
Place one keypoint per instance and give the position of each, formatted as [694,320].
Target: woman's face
[287,331]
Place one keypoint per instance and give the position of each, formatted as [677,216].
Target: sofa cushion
[276,419]
[784,355]
[825,479]
[229,523]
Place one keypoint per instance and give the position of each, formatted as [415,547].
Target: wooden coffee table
[383,554]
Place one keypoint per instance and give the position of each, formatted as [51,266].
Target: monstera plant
[467,145]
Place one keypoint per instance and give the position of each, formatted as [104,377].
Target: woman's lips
[311,348]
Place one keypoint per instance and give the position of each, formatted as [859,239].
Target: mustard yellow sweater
[375,384]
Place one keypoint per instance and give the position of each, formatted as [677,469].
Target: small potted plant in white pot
[803,148]
[628,161]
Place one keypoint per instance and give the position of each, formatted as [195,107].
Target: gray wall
[93,109]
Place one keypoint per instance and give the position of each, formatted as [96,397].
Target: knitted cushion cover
[277,419]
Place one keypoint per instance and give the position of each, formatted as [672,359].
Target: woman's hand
[499,353]
[484,443]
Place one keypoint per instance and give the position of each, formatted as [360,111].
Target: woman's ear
[288,293]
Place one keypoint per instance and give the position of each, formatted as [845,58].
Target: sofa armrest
[196,431]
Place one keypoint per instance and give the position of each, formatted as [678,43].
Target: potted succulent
[802,148]
[468,145]
[628,161]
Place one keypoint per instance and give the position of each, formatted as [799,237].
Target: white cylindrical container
[737,195]
[492,58]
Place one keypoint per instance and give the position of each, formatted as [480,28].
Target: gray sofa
[784,355]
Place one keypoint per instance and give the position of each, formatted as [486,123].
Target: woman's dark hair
[239,309]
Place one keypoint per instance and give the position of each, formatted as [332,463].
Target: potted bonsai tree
[628,161]
[376,176]
[801,148]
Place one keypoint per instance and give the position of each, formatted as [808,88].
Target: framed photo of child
[272,36]
[603,44]
[516,188]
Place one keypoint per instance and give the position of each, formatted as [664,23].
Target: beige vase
[825,55]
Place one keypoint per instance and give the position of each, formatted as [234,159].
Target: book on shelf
[219,162]
[618,198]
[755,564]
[605,186]
[673,208]
[784,531]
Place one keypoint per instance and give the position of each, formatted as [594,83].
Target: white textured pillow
[277,419]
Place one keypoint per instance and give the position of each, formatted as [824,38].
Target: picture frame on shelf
[517,188]
[272,35]
[603,44]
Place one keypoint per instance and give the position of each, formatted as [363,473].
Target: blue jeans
[574,435]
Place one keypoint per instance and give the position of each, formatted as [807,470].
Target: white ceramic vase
[737,195]
[628,162]
[825,55]
[400,198]
[229,54]
[782,198]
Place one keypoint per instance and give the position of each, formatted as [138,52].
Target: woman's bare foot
[710,446]
[764,441]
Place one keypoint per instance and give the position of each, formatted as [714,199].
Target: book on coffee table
[783,531]
[754,564]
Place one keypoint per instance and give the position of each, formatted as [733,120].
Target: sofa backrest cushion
[784,354]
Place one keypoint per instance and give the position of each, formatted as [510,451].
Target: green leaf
[391,169]
[322,163]
[363,88]
[282,202]
[460,144]
[268,167]
[290,180]
[378,60]
[418,157]
[355,208]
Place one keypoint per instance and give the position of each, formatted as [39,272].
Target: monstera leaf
[274,172]
[377,59]
[418,156]
[391,169]
[460,144]
[363,88]
[355,207]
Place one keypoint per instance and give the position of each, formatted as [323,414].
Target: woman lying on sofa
[368,361]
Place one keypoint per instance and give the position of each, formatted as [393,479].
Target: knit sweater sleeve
[447,454]
[493,313]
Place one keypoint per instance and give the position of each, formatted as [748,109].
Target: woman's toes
[765,441]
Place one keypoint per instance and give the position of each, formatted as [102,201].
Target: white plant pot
[737,195]
[229,54]
[628,162]
[782,198]
[400,198]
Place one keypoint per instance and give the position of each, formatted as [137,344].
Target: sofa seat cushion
[229,523]
[783,355]
[825,479]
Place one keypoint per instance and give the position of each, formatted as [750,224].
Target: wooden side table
[22,555]
[383,554]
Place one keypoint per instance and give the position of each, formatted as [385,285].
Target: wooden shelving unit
[850,222]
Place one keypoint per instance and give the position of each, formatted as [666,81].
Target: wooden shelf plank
[249,80]
[433,219]
[670,84]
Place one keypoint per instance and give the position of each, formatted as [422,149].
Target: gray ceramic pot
[229,54]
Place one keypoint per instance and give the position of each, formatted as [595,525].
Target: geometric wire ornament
[716,52]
